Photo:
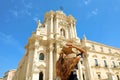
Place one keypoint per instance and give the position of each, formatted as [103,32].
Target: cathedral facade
[101,62]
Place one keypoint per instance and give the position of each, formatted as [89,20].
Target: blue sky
[99,20]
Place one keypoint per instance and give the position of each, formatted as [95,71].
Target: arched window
[62,32]
[99,77]
[96,62]
[41,76]
[118,77]
[41,56]
[113,64]
[105,63]
[83,77]
[93,47]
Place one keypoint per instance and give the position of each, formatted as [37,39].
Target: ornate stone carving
[95,56]
[103,57]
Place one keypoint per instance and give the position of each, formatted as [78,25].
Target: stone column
[56,46]
[28,64]
[56,31]
[88,68]
[35,76]
[51,62]
[51,25]
[80,77]
[66,33]
[51,49]
[27,71]
[50,31]
[71,30]
[75,33]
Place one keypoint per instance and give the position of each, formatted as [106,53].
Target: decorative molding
[118,59]
[95,56]
[117,73]
[98,72]
[61,23]
[103,57]
[112,58]
[103,45]
[36,46]
[102,53]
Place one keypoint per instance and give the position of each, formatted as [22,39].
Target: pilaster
[71,30]
[75,33]
[88,67]
[80,76]
[51,62]
[51,26]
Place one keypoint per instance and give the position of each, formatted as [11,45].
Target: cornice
[99,67]
[102,53]
[61,16]
[116,68]
[70,17]
[96,67]
[88,41]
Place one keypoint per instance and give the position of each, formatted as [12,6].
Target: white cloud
[35,19]
[27,5]
[6,38]
[21,11]
[92,13]
[95,12]
[10,40]
[28,13]
[14,12]
[25,12]
[86,2]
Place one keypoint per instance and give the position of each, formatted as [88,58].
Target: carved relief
[62,23]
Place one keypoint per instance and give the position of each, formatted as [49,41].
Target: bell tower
[60,24]
[44,45]
[60,28]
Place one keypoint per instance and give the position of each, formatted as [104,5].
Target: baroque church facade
[102,62]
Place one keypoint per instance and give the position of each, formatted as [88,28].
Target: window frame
[96,62]
[41,56]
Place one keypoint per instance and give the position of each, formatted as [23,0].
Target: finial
[84,37]
[38,23]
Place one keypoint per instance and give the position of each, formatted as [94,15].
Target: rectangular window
[96,62]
